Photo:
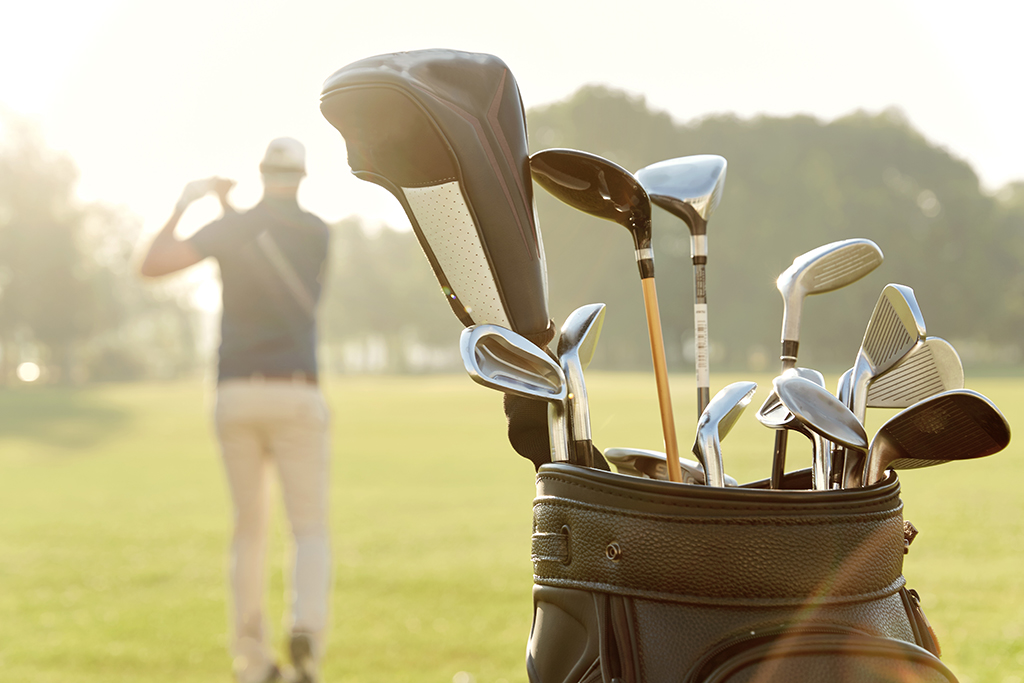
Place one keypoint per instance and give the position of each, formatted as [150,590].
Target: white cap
[284,155]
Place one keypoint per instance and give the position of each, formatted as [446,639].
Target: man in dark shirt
[270,413]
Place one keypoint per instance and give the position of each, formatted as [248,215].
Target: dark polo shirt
[265,329]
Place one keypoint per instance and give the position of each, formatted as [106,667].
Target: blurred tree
[67,297]
[380,287]
[793,184]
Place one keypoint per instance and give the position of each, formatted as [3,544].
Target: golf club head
[640,462]
[576,345]
[821,270]
[445,132]
[773,413]
[687,187]
[895,327]
[820,411]
[597,186]
[955,425]
[501,359]
[931,367]
[715,422]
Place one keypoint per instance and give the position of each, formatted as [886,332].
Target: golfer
[270,415]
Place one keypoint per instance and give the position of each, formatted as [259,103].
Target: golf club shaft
[668,424]
[700,332]
[781,436]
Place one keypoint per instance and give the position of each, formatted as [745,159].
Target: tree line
[70,300]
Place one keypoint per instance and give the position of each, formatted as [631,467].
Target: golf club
[820,270]
[501,359]
[576,344]
[601,188]
[894,329]
[931,367]
[690,188]
[715,422]
[640,462]
[807,407]
[954,425]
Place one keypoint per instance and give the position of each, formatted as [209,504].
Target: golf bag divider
[643,581]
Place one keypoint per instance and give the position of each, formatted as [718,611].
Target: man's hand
[221,187]
[196,189]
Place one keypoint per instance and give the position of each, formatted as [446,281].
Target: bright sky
[146,96]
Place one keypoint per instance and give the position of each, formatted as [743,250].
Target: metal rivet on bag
[613,552]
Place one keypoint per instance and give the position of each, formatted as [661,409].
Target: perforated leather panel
[445,222]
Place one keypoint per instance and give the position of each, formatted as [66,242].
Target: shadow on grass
[64,417]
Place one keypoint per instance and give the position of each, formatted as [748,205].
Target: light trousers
[265,426]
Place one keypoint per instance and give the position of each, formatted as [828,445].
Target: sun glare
[28,371]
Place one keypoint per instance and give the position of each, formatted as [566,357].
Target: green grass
[114,524]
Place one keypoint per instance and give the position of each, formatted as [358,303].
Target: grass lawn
[114,522]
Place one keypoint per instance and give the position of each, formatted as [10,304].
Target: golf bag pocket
[638,580]
[823,654]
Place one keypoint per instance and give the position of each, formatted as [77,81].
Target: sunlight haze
[147,96]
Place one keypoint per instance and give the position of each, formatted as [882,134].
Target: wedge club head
[774,414]
[827,268]
[640,462]
[954,425]
[894,329]
[715,422]
[824,414]
[820,270]
[576,345]
[501,359]
[931,367]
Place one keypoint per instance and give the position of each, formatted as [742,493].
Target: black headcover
[445,132]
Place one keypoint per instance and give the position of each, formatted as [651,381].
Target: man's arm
[168,254]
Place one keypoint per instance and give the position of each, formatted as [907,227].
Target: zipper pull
[910,532]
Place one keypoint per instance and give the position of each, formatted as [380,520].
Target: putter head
[821,270]
[715,422]
[686,187]
[931,367]
[639,462]
[820,411]
[954,425]
[501,359]
[595,185]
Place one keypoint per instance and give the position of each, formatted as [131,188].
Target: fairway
[114,523]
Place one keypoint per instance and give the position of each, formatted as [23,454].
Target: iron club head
[715,422]
[501,359]
[652,464]
[931,367]
[820,270]
[954,425]
[576,345]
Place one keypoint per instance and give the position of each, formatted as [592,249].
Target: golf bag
[644,581]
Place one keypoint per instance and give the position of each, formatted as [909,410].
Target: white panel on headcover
[444,220]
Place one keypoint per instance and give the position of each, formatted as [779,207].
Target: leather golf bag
[644,581]
[445,132]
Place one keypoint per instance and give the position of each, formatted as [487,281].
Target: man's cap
[284,155]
